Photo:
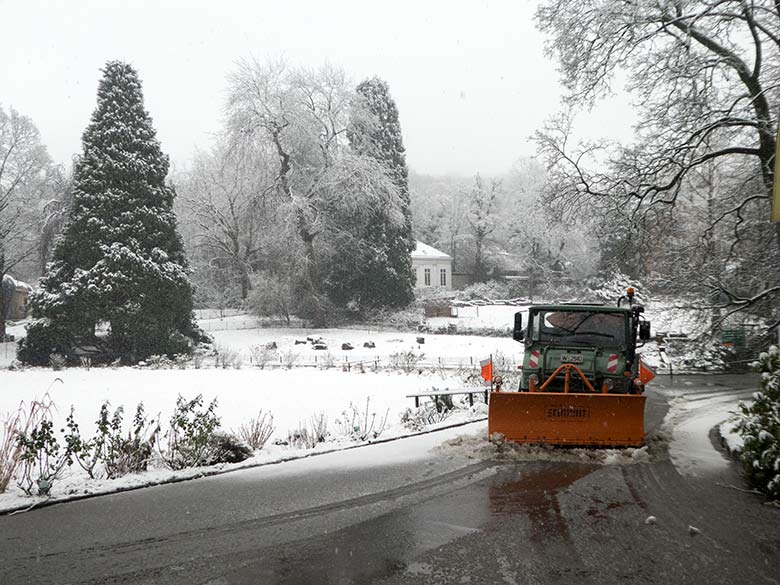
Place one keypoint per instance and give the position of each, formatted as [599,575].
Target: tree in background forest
[384,273]
[324,194]
[685,205]
[120,259]
[500,225]
[25,167]
[228,203]
[482,221]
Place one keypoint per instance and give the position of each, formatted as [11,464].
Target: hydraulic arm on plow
[582,380]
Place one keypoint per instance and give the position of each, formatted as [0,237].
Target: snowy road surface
[401,513]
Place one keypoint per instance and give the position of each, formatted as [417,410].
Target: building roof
[426,252]
[9,281]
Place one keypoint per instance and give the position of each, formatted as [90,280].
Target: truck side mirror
[517,333]
[644,330]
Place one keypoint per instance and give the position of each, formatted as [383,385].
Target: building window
[427,277]
[443,277]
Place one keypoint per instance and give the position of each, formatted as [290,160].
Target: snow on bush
[362,424]
[41,459]
[759,426]
[110,452]
[257,431]
[611,288]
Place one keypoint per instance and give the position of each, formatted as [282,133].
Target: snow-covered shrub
[182,360]
[262,355]
[326,361]
[191,432]
[408,318]
[759,426]
[41,341]
[197,359]
[15,425]
[226,448]
[361,425]
[309,434]
[289,358]
[609,288]
[257,431]
[41,458]
[159,362]
[319,427]
[110,450]
[224,357]
[406,360]
[272,296]
[416,419]
[57,361]
[301,438]
[490,290]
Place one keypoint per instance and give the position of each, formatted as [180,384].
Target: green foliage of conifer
[386,277]
[118,279]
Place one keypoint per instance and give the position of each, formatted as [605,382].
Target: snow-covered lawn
[449,349]
[499,317]
[291,395]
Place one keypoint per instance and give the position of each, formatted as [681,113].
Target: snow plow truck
[582,381]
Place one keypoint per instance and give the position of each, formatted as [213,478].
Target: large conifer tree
[120,260]
[386,277]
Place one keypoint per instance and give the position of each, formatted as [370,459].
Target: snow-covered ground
[733,440]
[292,396]
[448,350]
[499,317]
[295,395]
[689,422]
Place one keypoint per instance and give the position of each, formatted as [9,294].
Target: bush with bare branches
[17,424]
[257,431]
[361,425]
[309,435]
[41,457]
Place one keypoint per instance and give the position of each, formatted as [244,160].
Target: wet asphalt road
[438,519]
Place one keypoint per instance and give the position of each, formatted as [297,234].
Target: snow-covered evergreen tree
[759,426]
[120,260]
[385,278]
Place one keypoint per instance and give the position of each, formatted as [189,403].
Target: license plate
[571,358]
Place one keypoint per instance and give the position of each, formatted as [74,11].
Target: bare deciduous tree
[299,117]
[23,166]
[482,220]
[704,77]
[227,195]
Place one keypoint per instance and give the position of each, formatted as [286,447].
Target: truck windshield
[579,328]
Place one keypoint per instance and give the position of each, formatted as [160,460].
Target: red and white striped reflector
[533,361]
[612,363]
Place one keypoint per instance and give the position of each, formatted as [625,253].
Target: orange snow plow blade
[553,418]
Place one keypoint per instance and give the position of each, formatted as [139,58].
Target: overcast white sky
[470,78]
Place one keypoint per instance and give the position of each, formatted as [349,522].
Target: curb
[214,472]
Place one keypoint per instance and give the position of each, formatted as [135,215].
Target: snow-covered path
[697,406]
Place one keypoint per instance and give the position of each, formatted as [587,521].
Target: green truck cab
[601,341]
